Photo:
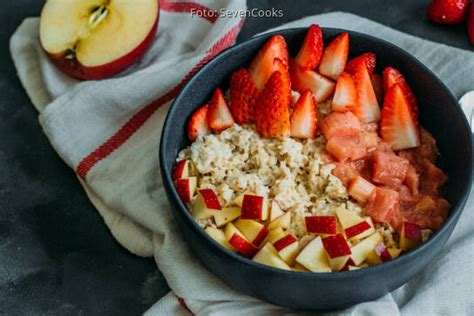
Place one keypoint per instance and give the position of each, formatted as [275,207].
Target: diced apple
[181,169]
[228,214]
[321,224]
[360,190]
[299,268]
[288,248]
[275,211]
[239,242]
[394,252]
[254,207]
[361,251]
[313,257]
[252,230]
[274,235]
[338,251]
[379,254]
[206,204]
[239,200]
[354,226]
[219,236]
[186,188]
[283,221]
[269,256]
[352,268]
[410,236]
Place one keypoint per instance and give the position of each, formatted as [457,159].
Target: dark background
[56,254]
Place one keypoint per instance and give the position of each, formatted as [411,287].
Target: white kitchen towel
[108,132]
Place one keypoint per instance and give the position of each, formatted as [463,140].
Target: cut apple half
[96,39]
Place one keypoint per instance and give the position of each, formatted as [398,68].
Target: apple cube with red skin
[254,207]
[362,250]
[181,169]
[410,236]
[354,226]
[269,256]
[288,248]
[97,39]
[313,256]
[321,224]
[275,211]
[219,236]
[228,214]
[274,235]
[252,230]
[239,242]
[382,254]
[206,204]
[186,188]
[283,221]
[338,251]
[360,190]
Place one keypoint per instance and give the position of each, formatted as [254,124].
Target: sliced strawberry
[219,117]
[345,96]
[261,67]
[311,51]
[392,76]
[302,80]
[448,11]
[377,84]
[272,118]
[367,108]
[368,58]
[198,125]
[303,119]
[335,57]
[399,126]
[243,96]
[278,65]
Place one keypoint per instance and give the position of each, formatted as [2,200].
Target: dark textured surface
[56,255]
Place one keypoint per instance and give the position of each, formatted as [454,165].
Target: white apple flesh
[313,257]
[361,251]
[288,248]
[96,39]
[219,236]
[252,230]
[268,256]
[228,214]
[206,204]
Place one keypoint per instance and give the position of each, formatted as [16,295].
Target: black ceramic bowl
[440,114]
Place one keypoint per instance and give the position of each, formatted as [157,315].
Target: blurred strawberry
[368,58]
[447,11]
[470,24]
[243,96]
[311,51]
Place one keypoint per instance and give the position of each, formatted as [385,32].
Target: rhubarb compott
[315,162]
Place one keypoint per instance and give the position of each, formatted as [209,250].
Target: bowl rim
[455,210]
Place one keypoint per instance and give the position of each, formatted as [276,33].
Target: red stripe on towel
[198,9]
[140,118]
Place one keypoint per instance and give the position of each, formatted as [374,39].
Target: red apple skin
[321,224]
[356,229]
[382,252]
[349,262]
[336,246]
[178,169]
[284,242]
[260,236]
[252,207]
[182,187]
[243,246]
[210,199]
[75,69]
[412,231]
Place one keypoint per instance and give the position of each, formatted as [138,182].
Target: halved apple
[96,39]
[410,236]
[268,256]
[228,214]
[186,188]
[206,204]
[254,207]
[313,257]
[288,248]
[252,230]
[219,236]
[362,250]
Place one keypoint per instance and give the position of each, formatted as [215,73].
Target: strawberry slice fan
[107,131]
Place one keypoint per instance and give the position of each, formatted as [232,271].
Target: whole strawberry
[470,24]
[448,11]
